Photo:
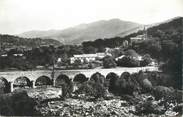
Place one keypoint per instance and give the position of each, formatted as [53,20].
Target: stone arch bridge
[13,77]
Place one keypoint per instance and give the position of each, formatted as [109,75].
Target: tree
[109,62]
[128,61]
[146,60]
[90,50]
[117,52]
[77,62]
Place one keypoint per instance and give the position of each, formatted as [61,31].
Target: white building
[87,57]
[138,38]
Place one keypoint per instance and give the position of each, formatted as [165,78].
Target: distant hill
[171,27]
[10,41]
[88,32]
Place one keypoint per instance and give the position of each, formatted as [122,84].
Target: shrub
[77,62]
[162,92]
[4,86]
[128,61]
[92,89]
[62,79]
[142,80]
[111,81]
[123,85]
[66,85]
[109,62]
[146,85]
[98,78]
[146,60]
[131,52]
[163,79]
[17,104]
[80,78]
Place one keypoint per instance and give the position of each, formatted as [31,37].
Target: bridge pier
[11,86]
[53,81]
[33,84]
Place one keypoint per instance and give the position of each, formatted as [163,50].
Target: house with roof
[138,38]
[87,57]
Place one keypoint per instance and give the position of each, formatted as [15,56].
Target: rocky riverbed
[50,104]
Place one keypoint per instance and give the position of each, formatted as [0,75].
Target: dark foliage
[128,61]
[146,60]
[94,89]
[111,79]
[151,46]
[162,91]
[62,79]
[17,104]
[65,83]
[43,80]
[166,46]
[24,43]
[161,79]
[131,52]
[125,85]
[89,50]
[4,86]
[80,78]
[109,62]
[144,82]
[98,78]
[111,42]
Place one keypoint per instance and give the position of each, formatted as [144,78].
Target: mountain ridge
[101,29]
[86,32]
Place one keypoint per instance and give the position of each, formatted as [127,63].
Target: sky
[18,16]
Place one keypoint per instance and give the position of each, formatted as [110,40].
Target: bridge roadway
[11,76]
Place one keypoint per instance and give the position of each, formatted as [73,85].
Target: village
[122,56]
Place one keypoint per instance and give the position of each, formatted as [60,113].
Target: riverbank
[79,106]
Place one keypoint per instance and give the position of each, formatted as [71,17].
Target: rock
[178,108]
[171,113]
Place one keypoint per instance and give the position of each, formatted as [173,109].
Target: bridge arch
[98,78]
[61,80]
[112,79]
[80,78]
[43,80]
[4,86]
[125,75]
[22,81]
[111,75]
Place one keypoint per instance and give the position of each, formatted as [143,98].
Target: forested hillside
[164,43]
[10,42]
